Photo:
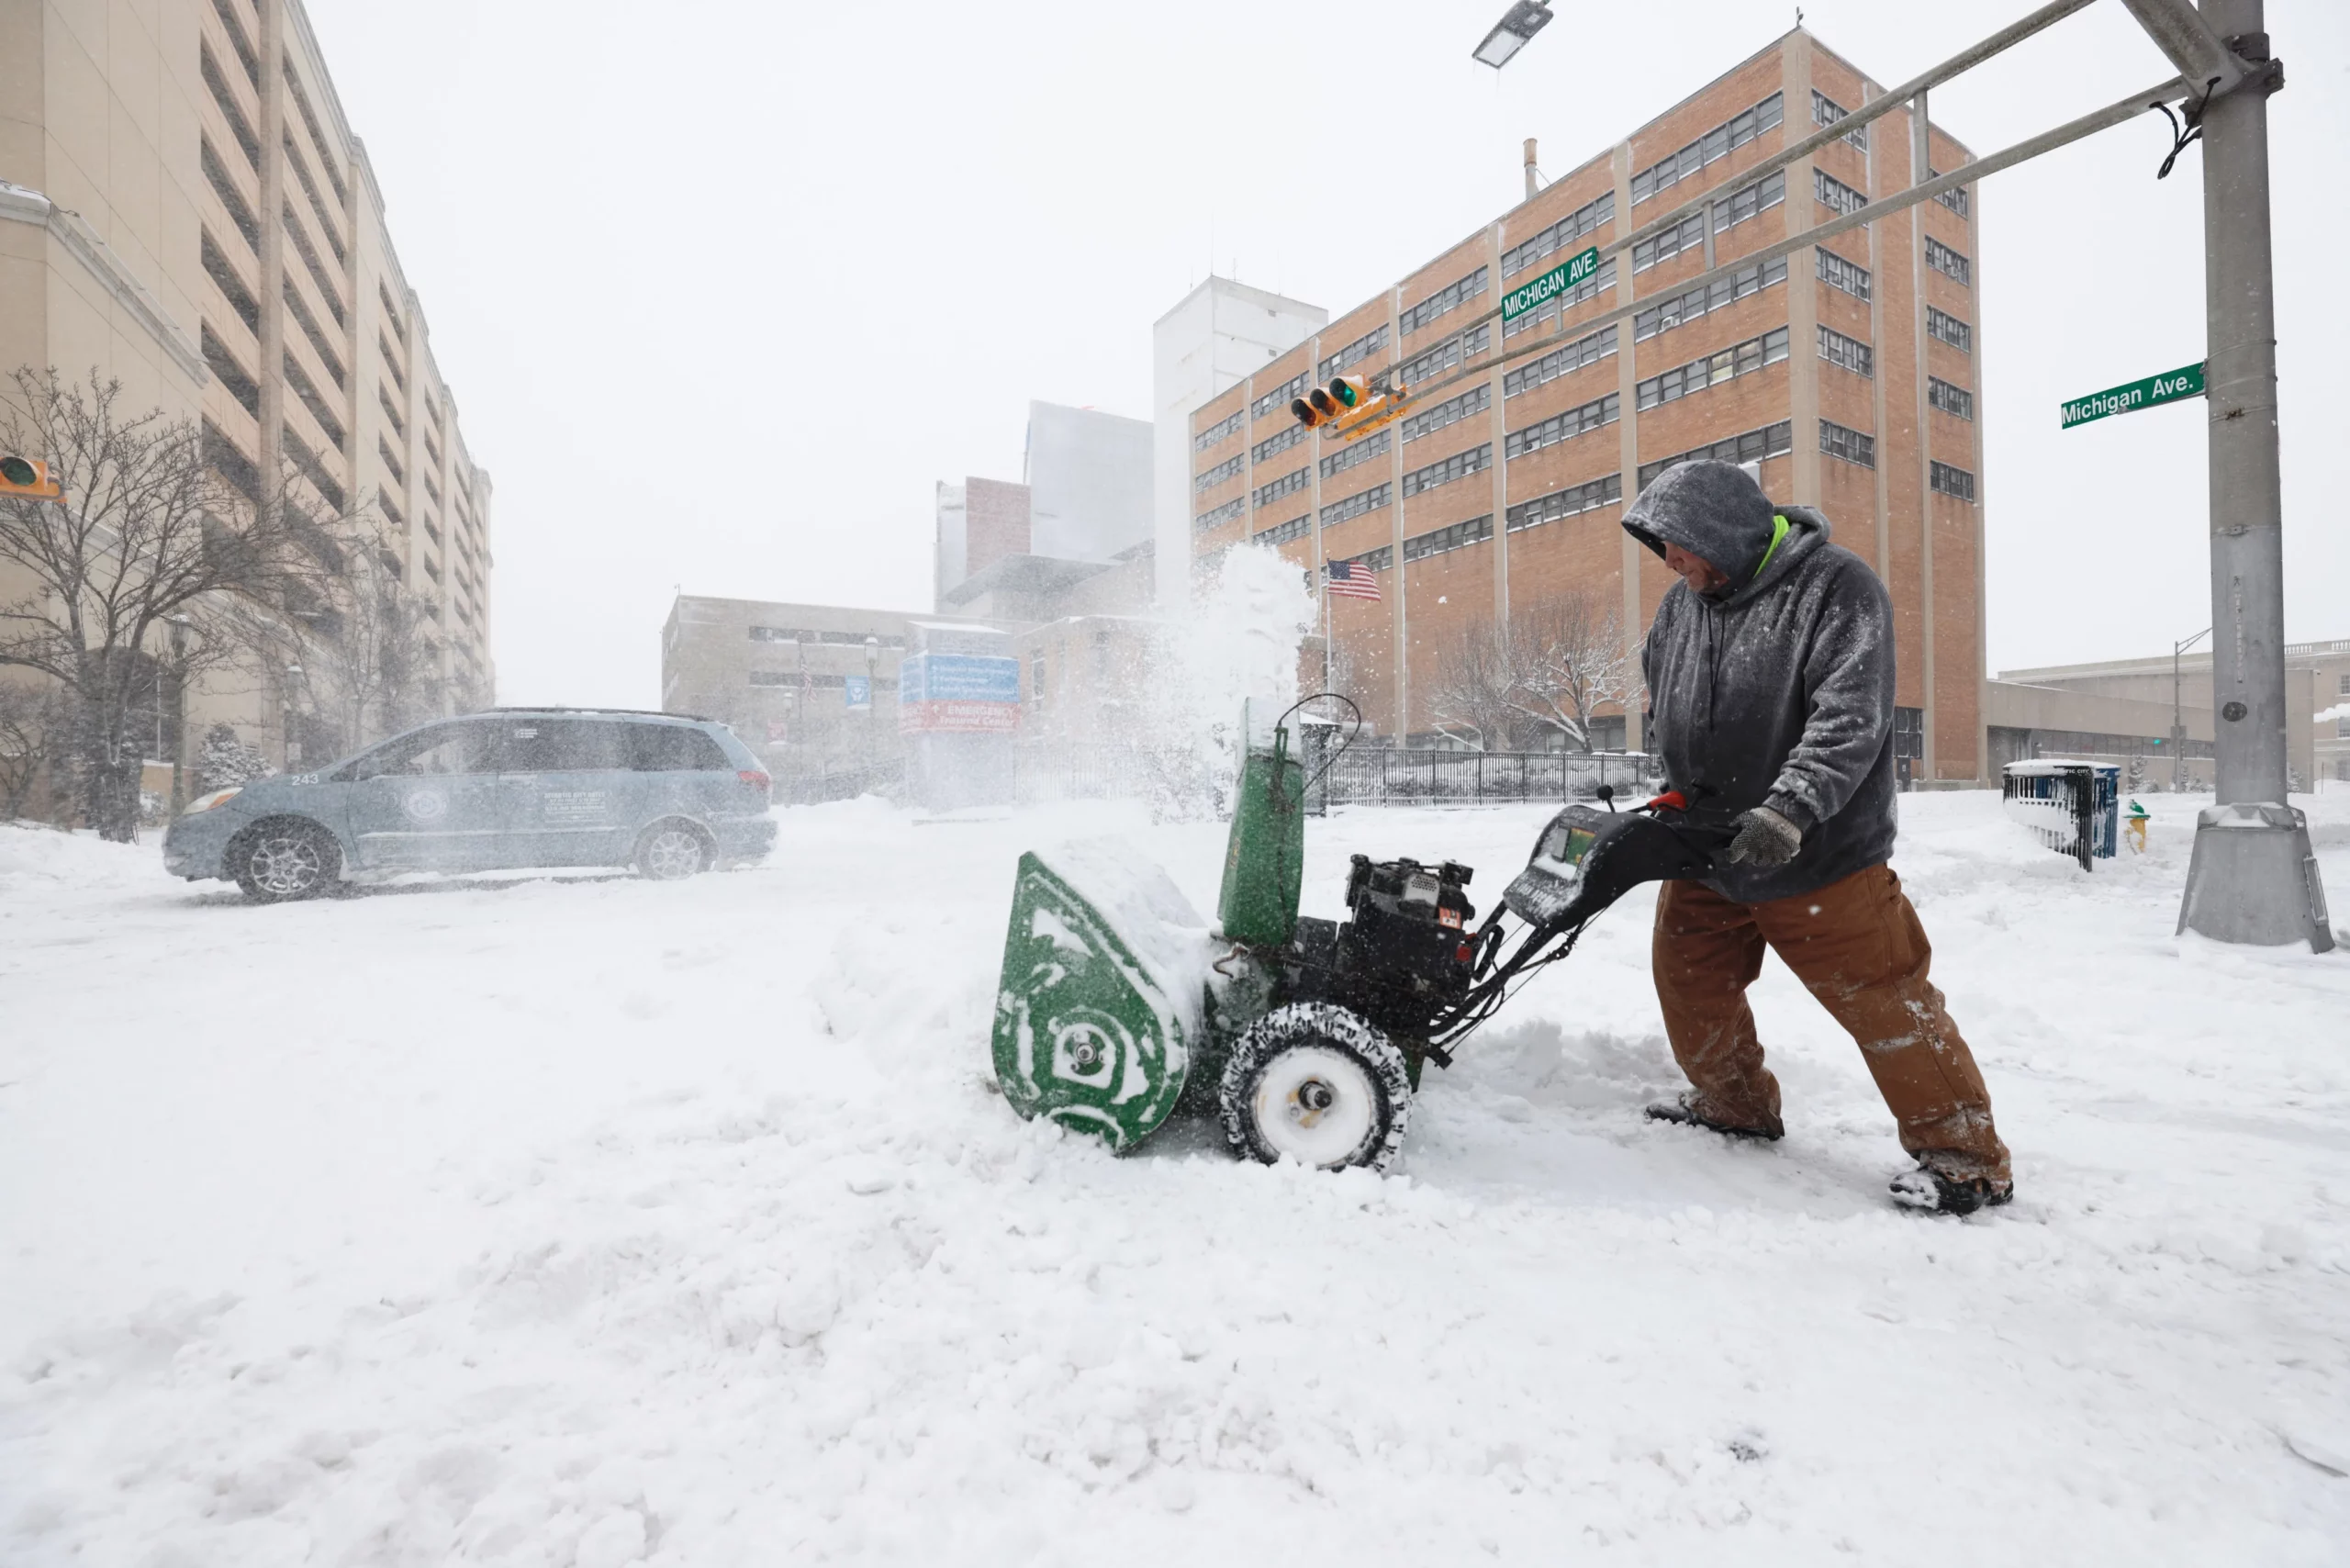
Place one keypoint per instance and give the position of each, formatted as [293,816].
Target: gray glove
[1764,838]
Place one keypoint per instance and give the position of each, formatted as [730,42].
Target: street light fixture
[1512,33]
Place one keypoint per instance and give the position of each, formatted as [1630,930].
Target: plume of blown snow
[1240,638]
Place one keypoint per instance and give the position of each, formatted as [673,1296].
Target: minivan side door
[428,800]
[570,791]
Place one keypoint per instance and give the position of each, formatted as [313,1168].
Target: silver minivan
[513,788]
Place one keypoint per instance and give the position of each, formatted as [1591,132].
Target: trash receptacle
[2074,807]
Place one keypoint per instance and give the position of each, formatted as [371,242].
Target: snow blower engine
[1306,1037]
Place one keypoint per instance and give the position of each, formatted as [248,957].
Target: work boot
[1950,1192]
[1689,1109]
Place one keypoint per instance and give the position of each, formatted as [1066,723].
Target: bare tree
[1471,688]
[148,530]
[1570,661]
[370,664]
[34,724]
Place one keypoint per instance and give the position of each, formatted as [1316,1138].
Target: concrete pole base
[2253,878]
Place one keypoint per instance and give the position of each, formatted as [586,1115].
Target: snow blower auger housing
[1116,997]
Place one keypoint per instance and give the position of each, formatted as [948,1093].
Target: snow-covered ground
[585,1220]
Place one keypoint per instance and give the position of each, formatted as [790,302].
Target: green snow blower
[1116,998]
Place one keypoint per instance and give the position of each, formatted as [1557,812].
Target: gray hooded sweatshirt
[1778,690]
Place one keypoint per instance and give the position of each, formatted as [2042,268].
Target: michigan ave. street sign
[1533,295]
[2185,382]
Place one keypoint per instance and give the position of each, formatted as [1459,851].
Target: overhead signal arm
[28,480]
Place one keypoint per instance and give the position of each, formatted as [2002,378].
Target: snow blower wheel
[1315,1084]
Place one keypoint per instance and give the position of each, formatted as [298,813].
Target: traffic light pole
[2253,878]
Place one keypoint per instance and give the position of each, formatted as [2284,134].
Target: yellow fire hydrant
[2137,824]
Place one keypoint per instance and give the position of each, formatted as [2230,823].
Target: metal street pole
[2253,878]
[2177,713]
[179,624]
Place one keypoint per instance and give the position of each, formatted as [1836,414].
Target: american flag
[1351,579]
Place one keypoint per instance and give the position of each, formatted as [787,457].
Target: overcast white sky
[723,287]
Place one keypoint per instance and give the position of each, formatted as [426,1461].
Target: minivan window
[563,745]
[672,748]
[443,748]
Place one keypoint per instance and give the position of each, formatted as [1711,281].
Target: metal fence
[1386,776]
[1362,775]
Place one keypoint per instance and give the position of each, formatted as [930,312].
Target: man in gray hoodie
[1771,684]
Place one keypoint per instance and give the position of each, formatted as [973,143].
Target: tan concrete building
[2129,699]
[185,207]
[1847,371]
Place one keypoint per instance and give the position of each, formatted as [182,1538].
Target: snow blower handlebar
[1584,861]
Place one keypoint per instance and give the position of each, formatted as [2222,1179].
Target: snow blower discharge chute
[1118,1002]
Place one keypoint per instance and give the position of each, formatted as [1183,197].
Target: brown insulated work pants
[1856,945]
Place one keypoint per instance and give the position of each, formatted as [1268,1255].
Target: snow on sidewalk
[583,1220]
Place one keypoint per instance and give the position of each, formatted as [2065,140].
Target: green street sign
[2185,382]
[1533,295]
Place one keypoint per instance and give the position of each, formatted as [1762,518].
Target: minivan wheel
[670,851]
[277,862]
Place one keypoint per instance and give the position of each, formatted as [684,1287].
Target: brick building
[1846,370]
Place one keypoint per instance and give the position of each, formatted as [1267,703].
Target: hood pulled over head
[1709,509]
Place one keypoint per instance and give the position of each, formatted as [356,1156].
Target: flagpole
[1326,625]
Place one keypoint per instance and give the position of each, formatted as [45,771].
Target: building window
[1354,455]
[1565,427]
[1910,733]
[1687,234]
[1850,353]
[1227,469]
[1220,516]
[1552,308]
[231,199]
[1583,351]
[1826,110]
[1435,362]
[1689,307]
[1838,272]
[1569,502]
[1950,330]
[1355,506]
[1469,405]
[1948,263]
[1739,359]
[1447,298]
[1954,400]
[1460,537]
[1288,484]
[1459,465]
[1835,193]
[830,639]
[1378,560]
[1712,147]
[1771,440]
[1294,529]
[1850,445]
[1223,429]
[1036,677]
[1278,397]
[1759,197]
[241,386]
[1585,220]
[1949,481]
[1275,445]
[1953,198]
[1354,353]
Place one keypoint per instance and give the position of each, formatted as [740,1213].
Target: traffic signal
[23,477]
[1343,395]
